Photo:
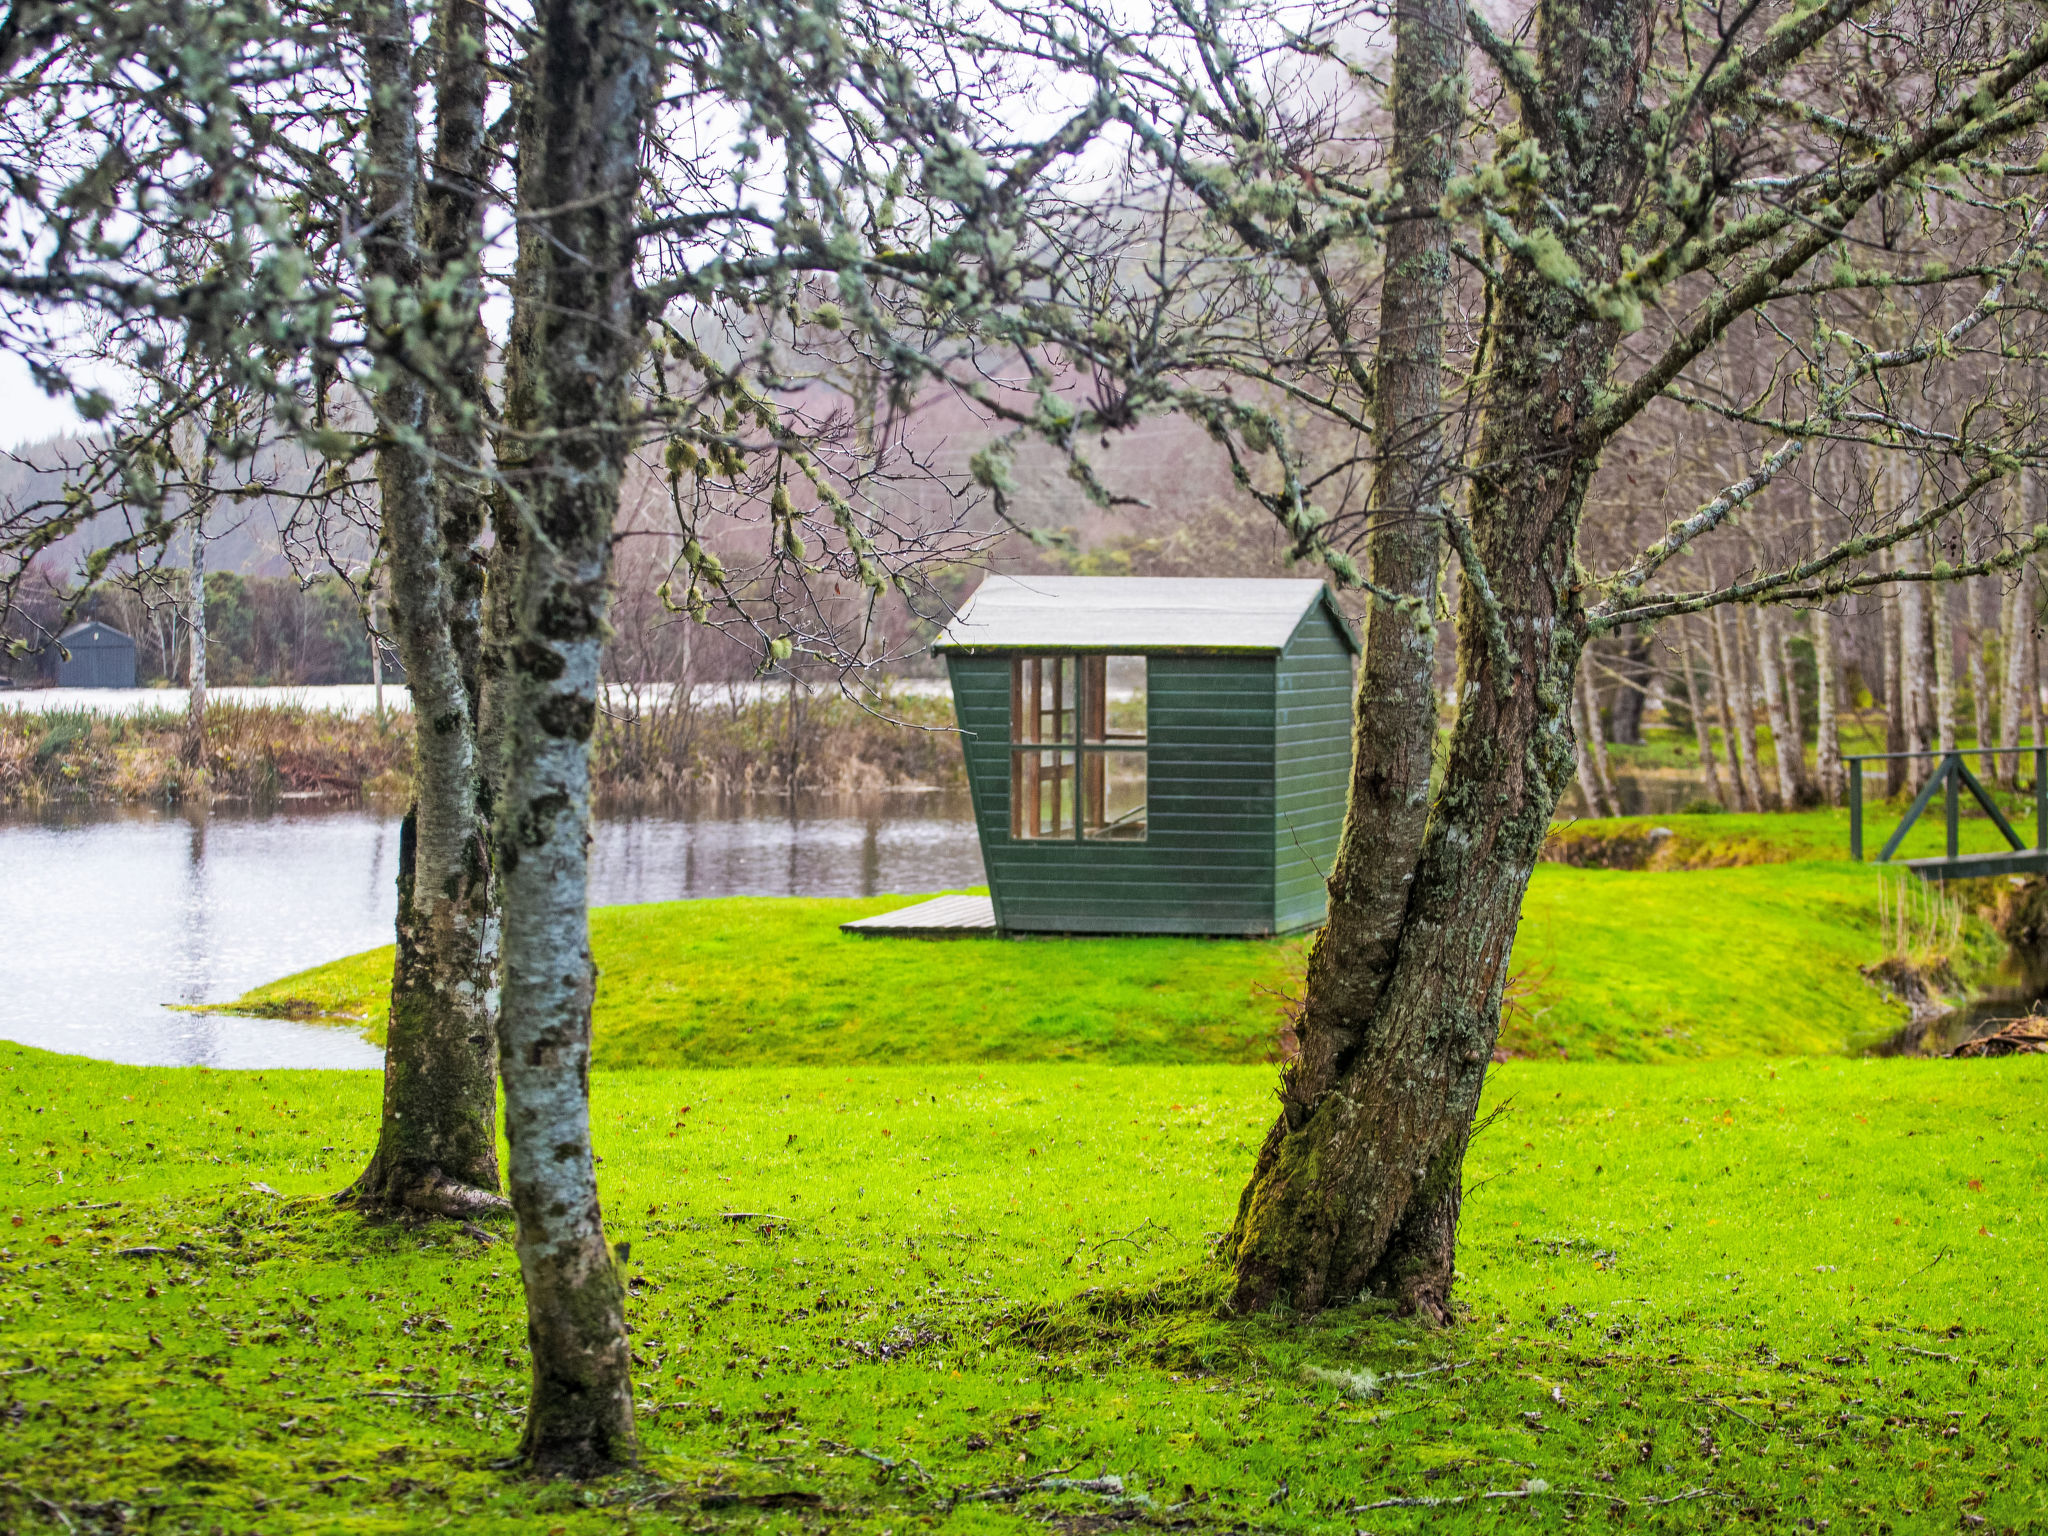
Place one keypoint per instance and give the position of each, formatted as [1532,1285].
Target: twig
[1677,1498]
[1109,1486]
[1127,1237]
[1528,1490]
[1452,1365]
[33,1497]
[477,1232]
[26,1370]
[1927,1266]
[1932,1354]
[1712,1402]
[887,1464]
[421,1396]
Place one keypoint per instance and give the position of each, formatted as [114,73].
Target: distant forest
[260,630]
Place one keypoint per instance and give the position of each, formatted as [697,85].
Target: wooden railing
[1952,777]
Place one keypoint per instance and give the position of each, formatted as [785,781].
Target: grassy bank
[258,752]
[743,980]
[1727,840]
[1697,1294]
[1623,965]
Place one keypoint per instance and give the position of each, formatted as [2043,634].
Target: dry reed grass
[264,752]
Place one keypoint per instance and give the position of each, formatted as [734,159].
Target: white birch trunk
[1784,737]
[195,704]
[1941,641]
[1980,706]
[1589,698]
[1898,733]
[1709,769]
[1729,689]
[592,79]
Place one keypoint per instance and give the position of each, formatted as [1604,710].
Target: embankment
[265,752]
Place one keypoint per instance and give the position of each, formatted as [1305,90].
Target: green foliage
[1808,1289]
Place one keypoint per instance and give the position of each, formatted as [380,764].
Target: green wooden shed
[1154,755]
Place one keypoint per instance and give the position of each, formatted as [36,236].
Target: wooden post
[1950,802]
[2041,796]
[1856,809]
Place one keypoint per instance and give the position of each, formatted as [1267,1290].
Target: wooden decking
[941,917]
[1969,866]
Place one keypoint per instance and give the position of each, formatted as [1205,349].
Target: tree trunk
[1795,720]
[591,80]
[2012,695]
[437,1145]
[1361,1193]
[1913,672]
[1408,1253]
[1735,658]
[1942,642]
[1629,693]
[1980,705]
[1704,732]
[1827,703]
[1787,748]
[1827,681]
[2032,630]
[1588,720]
[1582,760]
[195,704]
[1897,728]
[1724,691]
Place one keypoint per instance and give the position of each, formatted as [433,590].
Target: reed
[648,746]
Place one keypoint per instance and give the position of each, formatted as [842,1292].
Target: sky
[27,415]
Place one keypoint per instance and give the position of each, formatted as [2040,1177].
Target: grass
[1618,965]
[1761,960]
[1779,1292]
[740,980]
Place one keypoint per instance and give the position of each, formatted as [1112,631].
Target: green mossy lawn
[872,1299]
[1615,964]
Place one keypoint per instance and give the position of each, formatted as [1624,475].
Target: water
[106,916]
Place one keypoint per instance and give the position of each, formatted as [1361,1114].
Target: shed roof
[93,632]
[1136,613]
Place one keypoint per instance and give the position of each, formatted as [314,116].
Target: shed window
[1077,748]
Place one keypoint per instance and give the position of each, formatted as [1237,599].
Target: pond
[110,915]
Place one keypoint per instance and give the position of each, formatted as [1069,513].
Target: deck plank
[939,916]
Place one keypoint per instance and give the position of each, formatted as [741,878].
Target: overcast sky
[27,415]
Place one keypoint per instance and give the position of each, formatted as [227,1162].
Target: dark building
[1154,755]
[91,655]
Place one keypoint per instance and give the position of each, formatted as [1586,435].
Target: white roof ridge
[1139,613]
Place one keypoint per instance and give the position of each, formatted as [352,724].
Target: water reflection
[107,915]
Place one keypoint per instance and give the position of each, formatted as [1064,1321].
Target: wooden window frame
[1077,757]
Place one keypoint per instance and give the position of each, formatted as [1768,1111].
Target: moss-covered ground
[1793,1295]
[1629,965]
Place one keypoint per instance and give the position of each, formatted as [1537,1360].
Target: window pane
[1113,699]
[1113,796]
[1041,794]
[1042,698]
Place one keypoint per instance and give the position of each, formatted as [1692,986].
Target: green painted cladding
[1312,766]
[1248,756]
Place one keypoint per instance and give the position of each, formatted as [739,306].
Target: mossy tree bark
[1395,727]
[1358,1188]
[437,1139]
[591,81]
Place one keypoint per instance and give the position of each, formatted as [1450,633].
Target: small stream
[107,915]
